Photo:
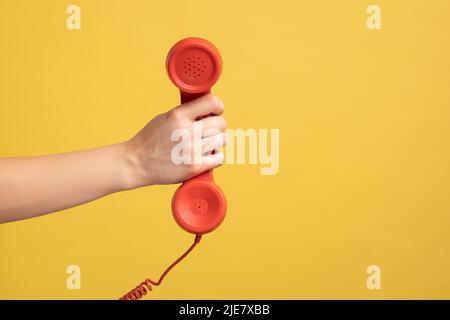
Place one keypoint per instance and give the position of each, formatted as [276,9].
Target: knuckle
[211,99]
[222,123]
[174,115]
[216,103]
[224,138]
[219,105]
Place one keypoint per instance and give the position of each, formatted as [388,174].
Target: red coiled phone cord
[144,287]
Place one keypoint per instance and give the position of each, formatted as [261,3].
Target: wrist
[130,167]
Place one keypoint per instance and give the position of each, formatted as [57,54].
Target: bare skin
[33,186]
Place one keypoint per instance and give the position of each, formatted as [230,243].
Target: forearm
[34,186]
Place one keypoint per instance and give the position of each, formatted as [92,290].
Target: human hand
[150,154]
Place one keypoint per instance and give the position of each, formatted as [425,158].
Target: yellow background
[364,129]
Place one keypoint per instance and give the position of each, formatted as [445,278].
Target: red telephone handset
[198,205]
[194,65]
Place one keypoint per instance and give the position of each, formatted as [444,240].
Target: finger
[213,125]
[214,142]
[203,106]
[212,161]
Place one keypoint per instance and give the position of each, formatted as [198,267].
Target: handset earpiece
[194,65]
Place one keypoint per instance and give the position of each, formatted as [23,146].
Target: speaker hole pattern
[194,67]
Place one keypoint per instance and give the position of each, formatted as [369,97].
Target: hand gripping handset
[194,65]
[198,205]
